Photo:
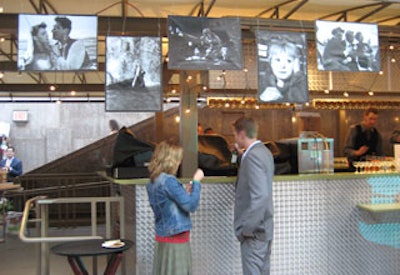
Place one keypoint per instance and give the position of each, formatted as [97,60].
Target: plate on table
[113,244]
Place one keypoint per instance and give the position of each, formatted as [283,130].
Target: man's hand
[362,150]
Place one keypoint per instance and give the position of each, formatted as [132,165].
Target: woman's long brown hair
[166,158]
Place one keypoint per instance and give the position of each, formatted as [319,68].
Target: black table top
[88,248]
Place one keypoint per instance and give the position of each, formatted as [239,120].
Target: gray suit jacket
[253,213]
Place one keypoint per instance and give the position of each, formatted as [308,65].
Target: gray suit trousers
[255,256]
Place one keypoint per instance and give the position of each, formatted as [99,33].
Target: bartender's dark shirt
[359,136]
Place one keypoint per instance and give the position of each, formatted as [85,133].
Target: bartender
[363,138]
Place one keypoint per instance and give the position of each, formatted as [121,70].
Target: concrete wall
[54,130]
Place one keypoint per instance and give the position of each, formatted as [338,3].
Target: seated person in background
[363,138]
[3,146]
[11,165]
[200,130]
[209,131]
[395,138]
[114,126]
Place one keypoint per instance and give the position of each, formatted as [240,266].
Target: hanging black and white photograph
[201,43]
[133,74]
[57,42]
[344,46]
[282,67]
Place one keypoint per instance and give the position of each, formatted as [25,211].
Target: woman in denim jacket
[172,204]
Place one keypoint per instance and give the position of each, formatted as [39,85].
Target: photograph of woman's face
[283,60]
[42,36]
[282,67]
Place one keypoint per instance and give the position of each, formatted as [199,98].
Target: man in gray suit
[253,213]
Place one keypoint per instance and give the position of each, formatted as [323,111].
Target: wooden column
[188,122]
[343,128]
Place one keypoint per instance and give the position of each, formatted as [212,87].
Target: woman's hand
[198,175]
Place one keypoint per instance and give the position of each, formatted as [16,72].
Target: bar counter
[323,225]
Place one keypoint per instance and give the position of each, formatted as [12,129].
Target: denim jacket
[171,204]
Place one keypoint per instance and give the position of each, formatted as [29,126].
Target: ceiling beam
[397,17]
[45,87]
[373,12]
[343,13]
[276,9]
[295,8]
[41,7]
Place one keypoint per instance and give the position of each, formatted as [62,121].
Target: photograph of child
[282,67]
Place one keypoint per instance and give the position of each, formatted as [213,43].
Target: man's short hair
[371,110]
[248,125]
[64,22]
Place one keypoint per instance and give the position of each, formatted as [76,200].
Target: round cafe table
[74,250]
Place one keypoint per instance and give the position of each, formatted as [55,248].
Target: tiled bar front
[318,227]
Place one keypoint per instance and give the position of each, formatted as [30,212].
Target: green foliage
[5,205]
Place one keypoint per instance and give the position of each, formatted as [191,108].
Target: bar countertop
[300,177]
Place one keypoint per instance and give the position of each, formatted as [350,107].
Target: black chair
[214,156]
